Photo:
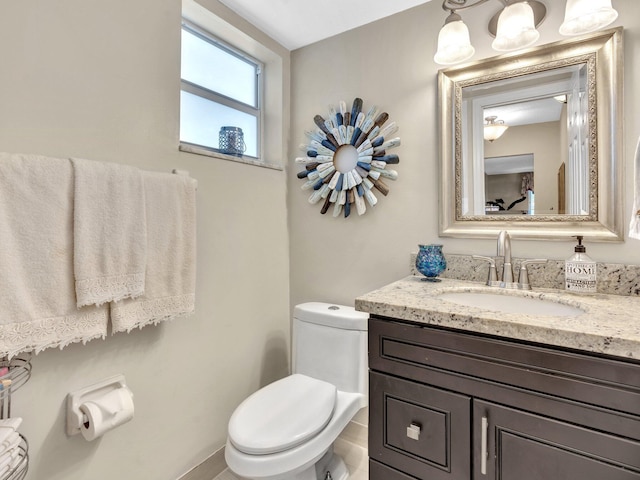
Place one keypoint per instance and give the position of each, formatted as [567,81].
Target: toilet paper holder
[75,417]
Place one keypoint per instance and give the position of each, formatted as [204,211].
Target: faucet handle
[523,277]
[492,279]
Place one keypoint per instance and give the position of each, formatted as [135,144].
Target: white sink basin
[506,303]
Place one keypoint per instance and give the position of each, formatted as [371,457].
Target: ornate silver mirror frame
[602,54]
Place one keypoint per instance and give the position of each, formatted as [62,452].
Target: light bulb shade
[454,45]
[584,16]
[494,128]
[493,132]
[516,28]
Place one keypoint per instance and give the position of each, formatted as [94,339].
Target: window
[220,87]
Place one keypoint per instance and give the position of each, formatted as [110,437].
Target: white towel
[110,233]
[37,292]
[9,451]
[8,429]
[10,423]
[634,226]
[9,460]
[11,442]
[170,276]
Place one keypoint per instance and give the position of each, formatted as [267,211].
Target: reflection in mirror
[509,185]
[554,171]
[544,118]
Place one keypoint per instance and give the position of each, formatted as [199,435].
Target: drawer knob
[413,431]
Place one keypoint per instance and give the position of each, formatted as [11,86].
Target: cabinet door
[510,444]
[420,430]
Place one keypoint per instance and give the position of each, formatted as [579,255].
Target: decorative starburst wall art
[346,158]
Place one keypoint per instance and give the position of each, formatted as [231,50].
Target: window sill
[188,148]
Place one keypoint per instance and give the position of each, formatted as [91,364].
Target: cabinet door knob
[413,431]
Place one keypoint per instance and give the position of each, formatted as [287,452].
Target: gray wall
[390,63]
[100,80]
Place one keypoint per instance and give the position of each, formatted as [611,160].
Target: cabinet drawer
[604,382]
[421,430]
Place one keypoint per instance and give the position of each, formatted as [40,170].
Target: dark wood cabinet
[448,404]
[420,430]
[523,446]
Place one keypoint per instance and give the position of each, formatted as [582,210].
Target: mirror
[531,142]
[540,120]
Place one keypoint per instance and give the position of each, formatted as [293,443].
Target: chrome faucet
[506,281]
[504,250]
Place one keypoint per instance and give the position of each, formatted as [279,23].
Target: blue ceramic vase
[430,262]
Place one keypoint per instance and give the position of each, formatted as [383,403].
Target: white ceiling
[508,164]
[527,112]
[296,23]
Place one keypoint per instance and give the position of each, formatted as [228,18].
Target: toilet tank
[330,343]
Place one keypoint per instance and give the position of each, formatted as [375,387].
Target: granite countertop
[610,324]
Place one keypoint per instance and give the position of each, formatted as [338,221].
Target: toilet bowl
[286,430]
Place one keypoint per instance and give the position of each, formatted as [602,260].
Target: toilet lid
[282,415]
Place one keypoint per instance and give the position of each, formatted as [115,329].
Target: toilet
[286,430]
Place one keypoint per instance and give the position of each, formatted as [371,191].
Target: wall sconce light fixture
[584,16]
[494,128]
[515,25]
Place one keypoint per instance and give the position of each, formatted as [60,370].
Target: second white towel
[110,233]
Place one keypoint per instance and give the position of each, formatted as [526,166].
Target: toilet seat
[282,415]
[285,464]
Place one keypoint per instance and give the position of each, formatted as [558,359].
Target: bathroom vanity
[475,392]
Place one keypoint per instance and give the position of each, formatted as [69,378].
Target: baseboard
[356,433]
[210,468]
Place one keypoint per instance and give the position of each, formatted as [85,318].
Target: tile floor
[355,456]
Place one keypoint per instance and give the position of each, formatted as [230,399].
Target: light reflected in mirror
[554,172]
[540,164]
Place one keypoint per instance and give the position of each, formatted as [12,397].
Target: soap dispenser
[580,271]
